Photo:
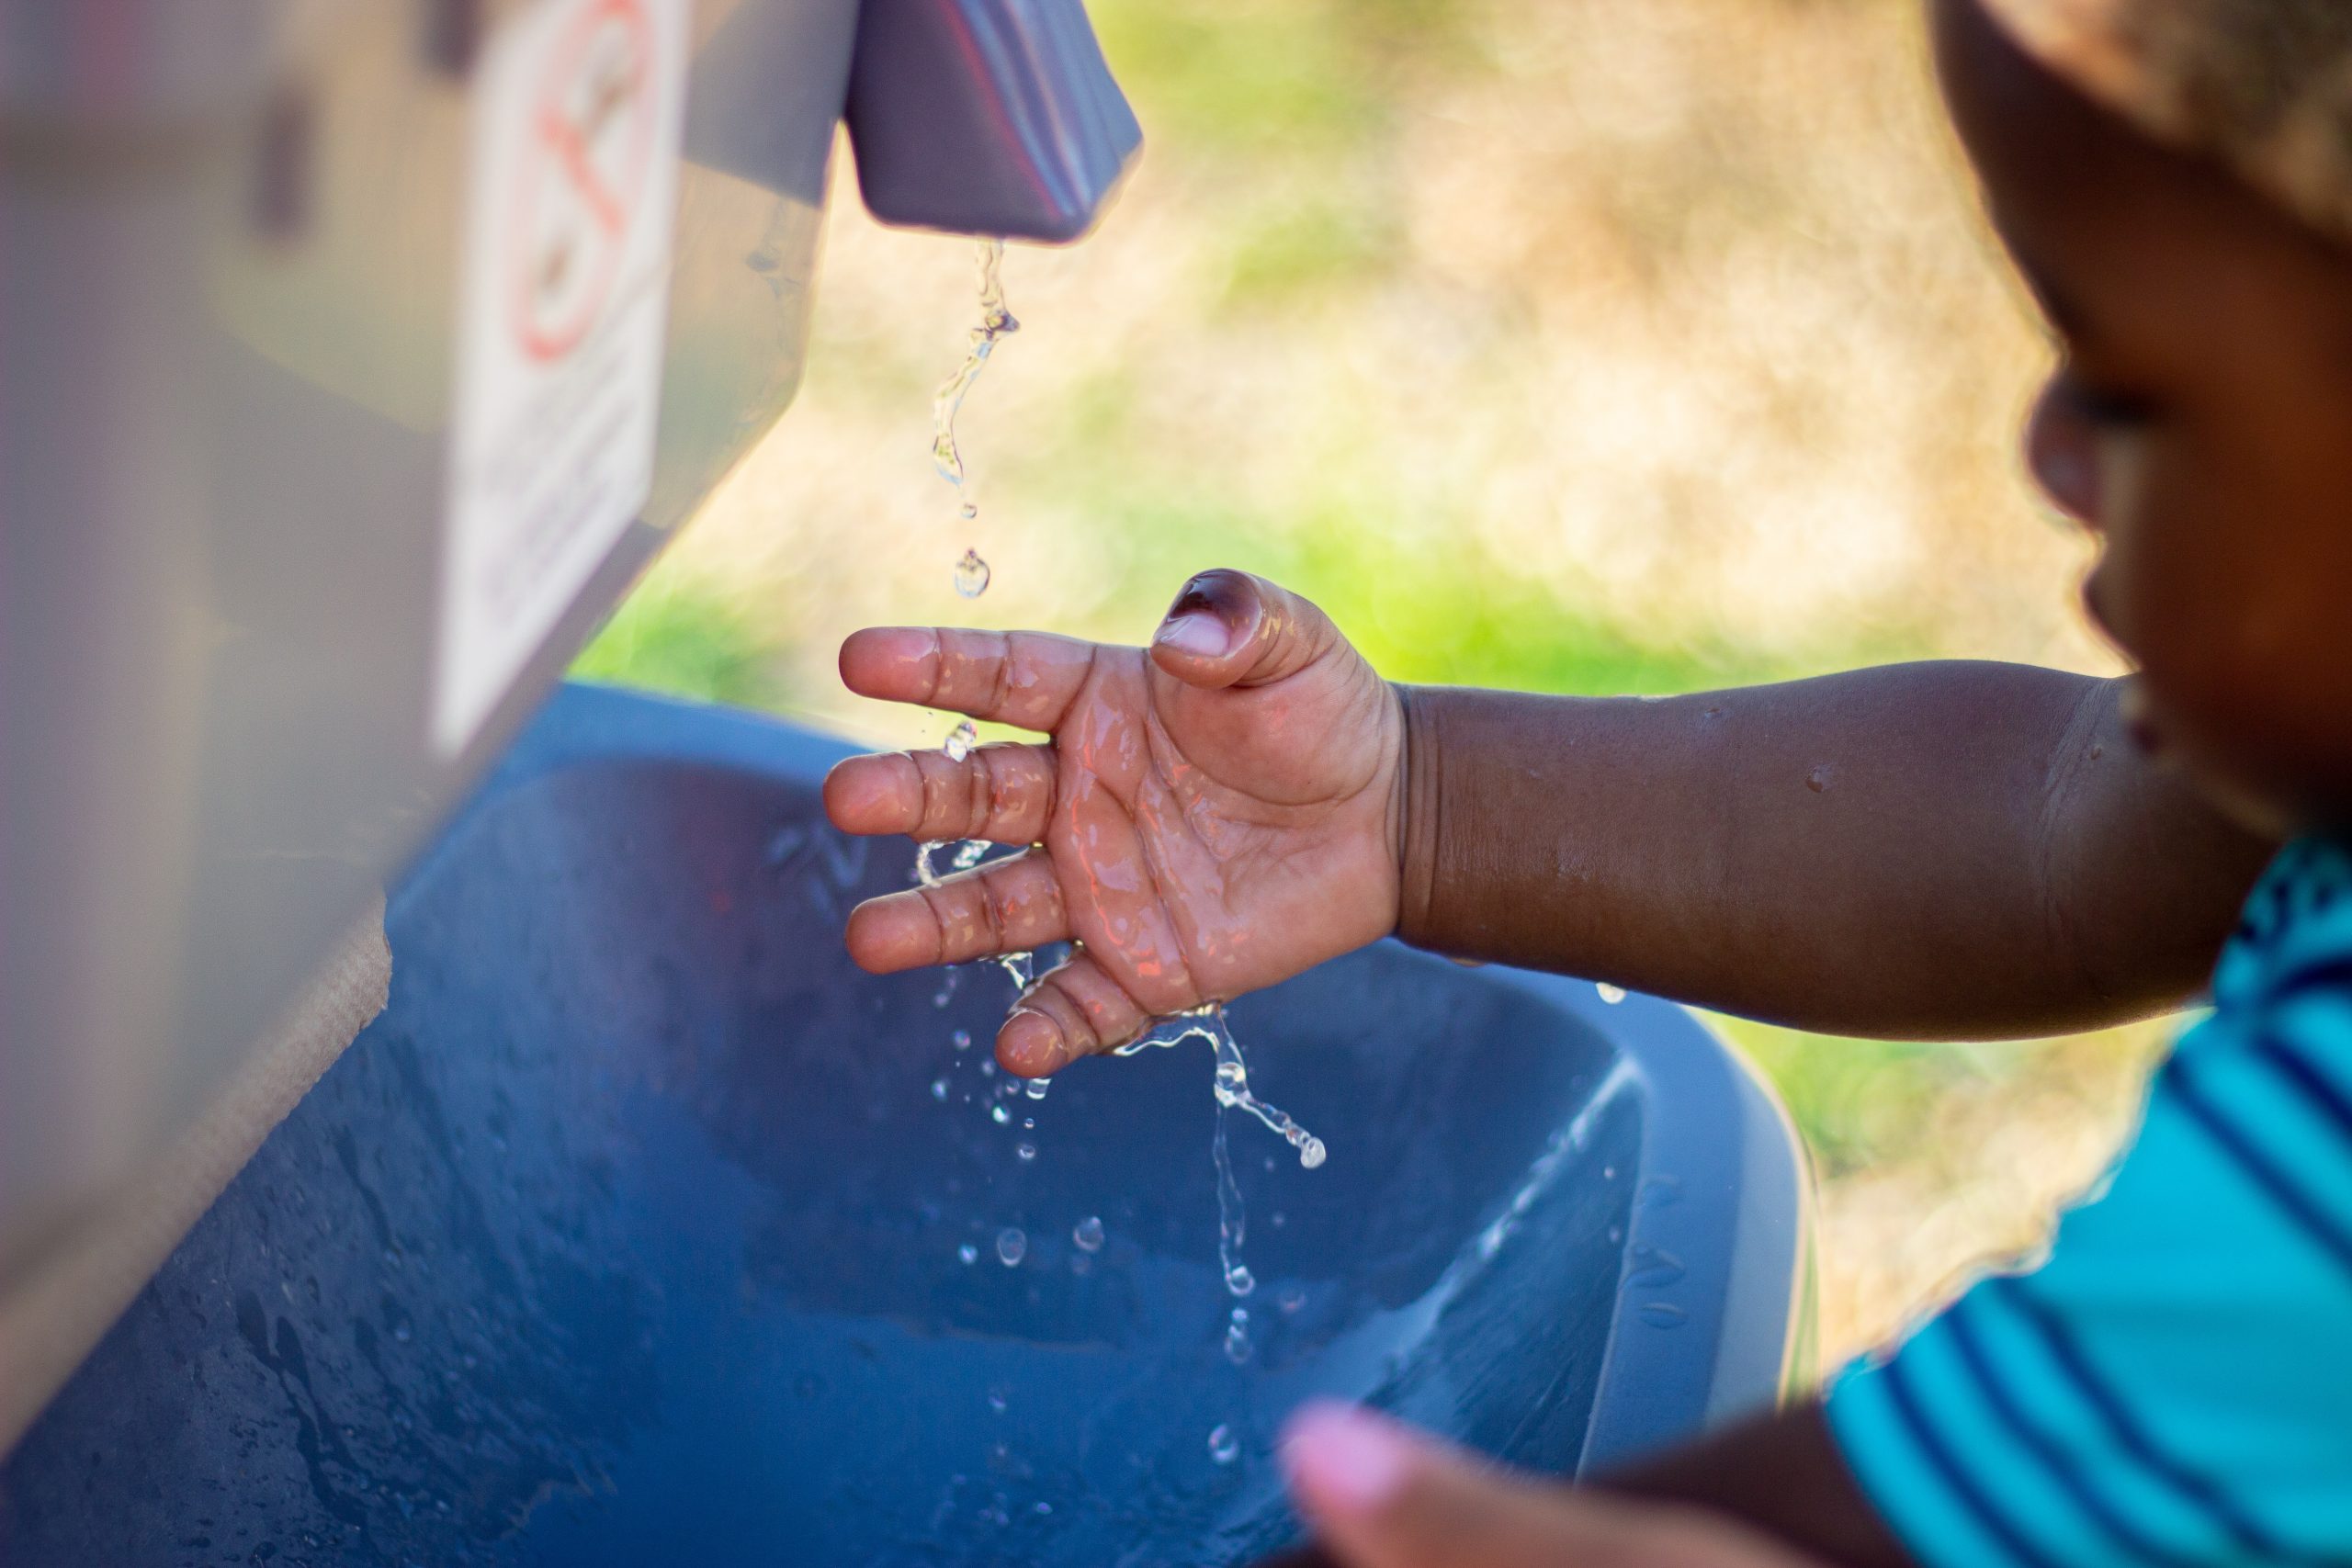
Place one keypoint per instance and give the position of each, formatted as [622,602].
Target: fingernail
[1193,596]
[1193,631]
[1341,1457]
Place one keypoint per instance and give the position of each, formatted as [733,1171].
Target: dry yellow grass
[1587,343]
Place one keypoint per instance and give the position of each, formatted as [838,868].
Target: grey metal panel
[227,313]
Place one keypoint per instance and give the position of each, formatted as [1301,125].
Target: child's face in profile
[2199,424]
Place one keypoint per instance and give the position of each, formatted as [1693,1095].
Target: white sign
[563,302]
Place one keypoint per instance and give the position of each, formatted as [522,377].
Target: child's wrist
[1420,795]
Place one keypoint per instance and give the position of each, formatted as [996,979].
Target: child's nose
[2062,453]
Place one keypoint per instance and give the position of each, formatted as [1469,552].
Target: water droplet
[960,741]
[1026,1150]
[971,572]
[961,1040]
[1037,1086]
[1012,1245]
[988,1068]
[1291,1300]
[1224,1447]
[999,1115]
[1041,1508]
[968,1252]
[1610,994]
[1663,1315]
[1239,1280]
[939,1089]
[402,1332]
[997,1400]
[1237,1343]
[1608,1173]
[1311,1153]
[969,853]
[1089,1233]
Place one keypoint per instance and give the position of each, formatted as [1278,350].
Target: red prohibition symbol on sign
[583,177]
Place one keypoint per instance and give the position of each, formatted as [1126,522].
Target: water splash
[996,322]
[1231,1087]
[1232,1215]
[969,853]
[1231,1083]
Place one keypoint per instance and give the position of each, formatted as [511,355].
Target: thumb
[1382,1496]
[1228,628]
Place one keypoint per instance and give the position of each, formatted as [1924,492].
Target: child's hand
[1382,1496]
[1213,814]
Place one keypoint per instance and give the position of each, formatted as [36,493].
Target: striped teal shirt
[2175,1385]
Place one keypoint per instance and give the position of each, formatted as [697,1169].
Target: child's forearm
[1935,849]
[1780,1473]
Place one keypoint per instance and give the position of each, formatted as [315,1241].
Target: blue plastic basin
[631,1233]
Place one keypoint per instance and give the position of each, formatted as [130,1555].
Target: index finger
[1028,679]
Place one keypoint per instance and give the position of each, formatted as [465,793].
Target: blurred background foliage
[1577,345]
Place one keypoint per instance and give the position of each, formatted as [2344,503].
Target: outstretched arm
[1924,849]
[1771,1492]
[1935,849]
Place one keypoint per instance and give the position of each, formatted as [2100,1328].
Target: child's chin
[2178,750]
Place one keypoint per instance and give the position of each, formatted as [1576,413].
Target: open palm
[1211,815]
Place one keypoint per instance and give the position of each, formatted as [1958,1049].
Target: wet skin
[1213,814]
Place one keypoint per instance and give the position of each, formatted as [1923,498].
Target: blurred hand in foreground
[1381,1496]
[1211,815]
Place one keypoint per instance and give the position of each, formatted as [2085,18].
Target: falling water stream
[971,576]
[1231,1081]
